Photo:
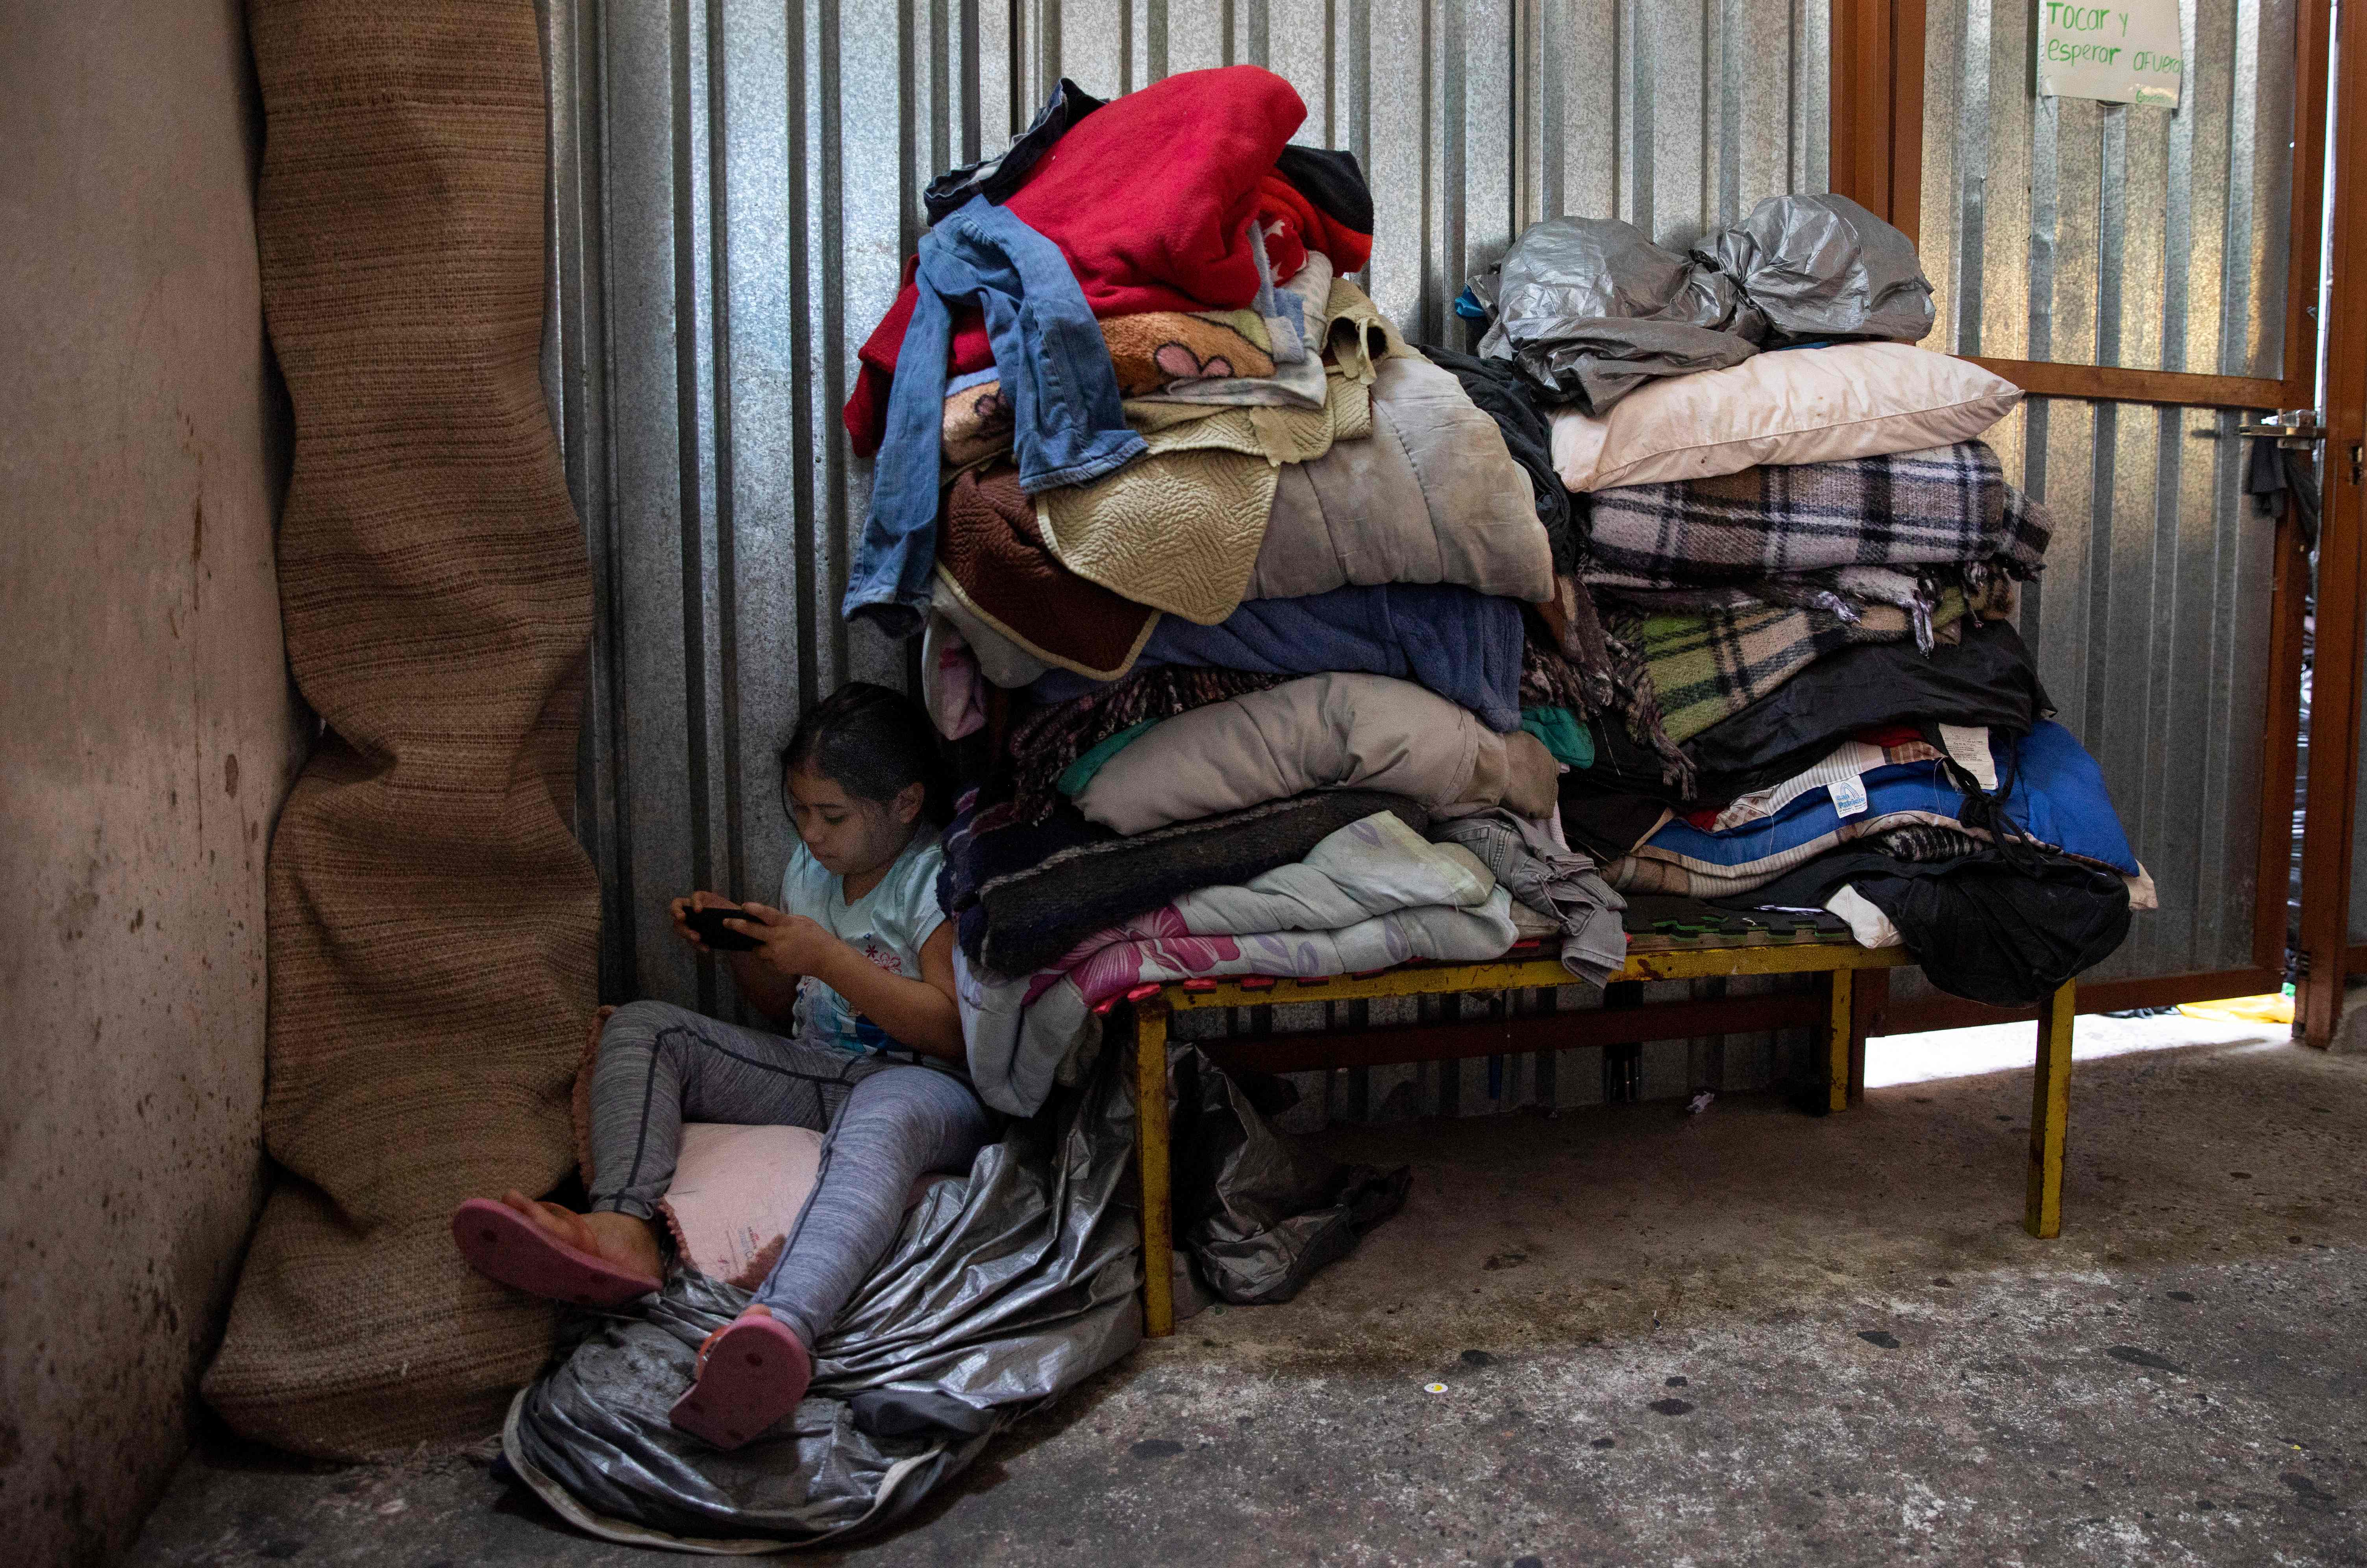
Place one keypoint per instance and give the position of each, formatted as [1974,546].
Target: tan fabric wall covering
[433,921]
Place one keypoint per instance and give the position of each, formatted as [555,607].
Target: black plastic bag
[1260,1214]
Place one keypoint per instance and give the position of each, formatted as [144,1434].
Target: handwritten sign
[2126,53]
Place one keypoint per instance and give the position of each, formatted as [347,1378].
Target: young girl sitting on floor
[857,966]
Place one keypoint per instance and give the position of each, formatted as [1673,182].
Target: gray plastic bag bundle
[1821,266]
[1590,308]
[1003,1290]
[1260,1214]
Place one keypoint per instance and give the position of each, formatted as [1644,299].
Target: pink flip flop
[504,1246]
[753,1373]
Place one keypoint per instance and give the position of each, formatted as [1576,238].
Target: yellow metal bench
[1843,1054]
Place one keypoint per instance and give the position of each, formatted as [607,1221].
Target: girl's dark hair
[873,742]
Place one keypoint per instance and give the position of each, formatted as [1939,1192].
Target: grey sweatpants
[888,1124]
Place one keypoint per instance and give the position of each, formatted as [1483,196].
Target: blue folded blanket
[2056,795]
[1462,644]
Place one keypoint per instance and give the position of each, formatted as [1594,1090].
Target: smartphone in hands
[709,924]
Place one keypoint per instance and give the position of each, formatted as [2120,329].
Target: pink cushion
[736,1192]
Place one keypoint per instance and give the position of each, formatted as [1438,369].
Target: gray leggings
[888,1124]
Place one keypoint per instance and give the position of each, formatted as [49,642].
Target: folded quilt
[1024,893]
[1045,743]
[1433,496]
[1463,645]
[1396,897]
[2055,793]
[1704,667]
[992,561]
[1180,529]
[1373,866]
[1320,731]
[1943,506]
[1849,761]
[1512,402]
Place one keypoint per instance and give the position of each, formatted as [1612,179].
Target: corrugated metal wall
[2063,230]
[735,184]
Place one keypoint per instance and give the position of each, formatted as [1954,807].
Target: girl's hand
[680,909]
[793,945]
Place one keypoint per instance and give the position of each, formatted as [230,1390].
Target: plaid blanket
[1705,667]
[1947,507]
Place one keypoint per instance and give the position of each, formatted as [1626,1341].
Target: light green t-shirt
[887,926]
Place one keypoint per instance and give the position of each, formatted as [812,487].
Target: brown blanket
[991,548]
[434,922]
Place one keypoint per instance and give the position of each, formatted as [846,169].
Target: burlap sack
[434,922]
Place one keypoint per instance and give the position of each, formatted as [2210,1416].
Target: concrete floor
[1748,1336]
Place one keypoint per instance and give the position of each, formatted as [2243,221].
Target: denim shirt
[1068,423]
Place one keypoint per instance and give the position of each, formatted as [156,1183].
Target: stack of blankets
[1224,587]
[1808,563]
[1278,646]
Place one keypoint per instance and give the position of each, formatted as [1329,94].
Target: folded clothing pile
[1805,562]
[1242,601]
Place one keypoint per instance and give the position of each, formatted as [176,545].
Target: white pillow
[1795,405]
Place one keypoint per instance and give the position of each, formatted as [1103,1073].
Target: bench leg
[1152,1157]
[1869,996]
[2050,1113]
[1839,1020]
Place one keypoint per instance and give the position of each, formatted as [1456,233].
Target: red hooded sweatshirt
[1150,197]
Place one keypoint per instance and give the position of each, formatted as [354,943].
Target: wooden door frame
[2327,952]
[1876,159]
